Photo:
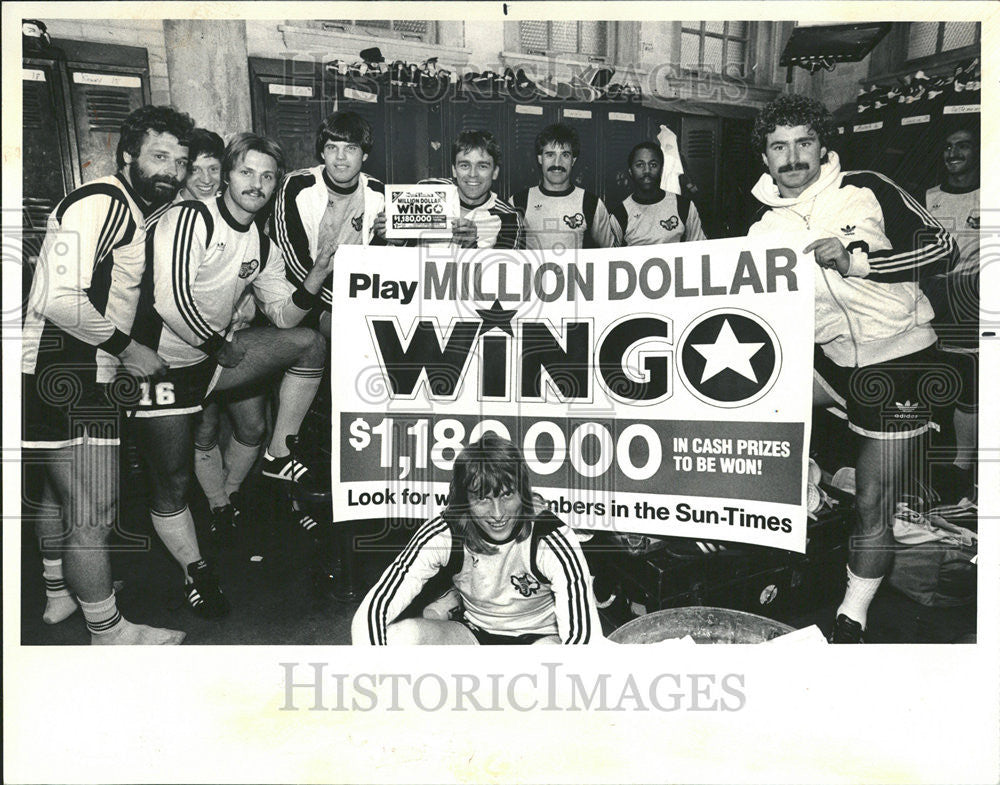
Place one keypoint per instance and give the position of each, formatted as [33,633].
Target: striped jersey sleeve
[180,241]
[289,231]
[423,557]
[562,562]
[921,247]
[511,234]
[83,232]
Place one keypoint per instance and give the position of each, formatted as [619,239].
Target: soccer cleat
[284,468]
[222,523]
[846,630]
[203,594]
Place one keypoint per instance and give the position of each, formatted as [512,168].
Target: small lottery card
[420,211]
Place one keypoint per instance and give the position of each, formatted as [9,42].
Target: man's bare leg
[85,478]
[302,354]
[429,632]
[168,448]
[209,466]
[881,469]
[51,533]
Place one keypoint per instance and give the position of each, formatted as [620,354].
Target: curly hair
[792,110]
[159,120]
[560,134]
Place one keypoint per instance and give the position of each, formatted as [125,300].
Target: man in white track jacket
[872,242]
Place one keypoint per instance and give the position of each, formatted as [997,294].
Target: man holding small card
[486,220]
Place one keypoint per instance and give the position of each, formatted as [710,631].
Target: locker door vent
[107,109]
[700,143]
[31,107]
[295,118]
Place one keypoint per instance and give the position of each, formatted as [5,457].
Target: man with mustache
[557,214]
[79,314]
[955,297]
[650,215]
[204,256]
[872,242]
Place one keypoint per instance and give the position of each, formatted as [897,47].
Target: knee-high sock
[298,389]
[176,529]
[966,424]
[211,473]
[240,458]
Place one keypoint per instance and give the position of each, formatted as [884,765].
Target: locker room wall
[413,134]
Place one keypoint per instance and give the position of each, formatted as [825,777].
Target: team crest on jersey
[249,268]
[574,221]
[972,221]
[357,222]
[670,224]
[525,584]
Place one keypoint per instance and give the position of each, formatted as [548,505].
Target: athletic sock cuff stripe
[175,514]
[236,439]
[207,447]
[106,624]
[307,372]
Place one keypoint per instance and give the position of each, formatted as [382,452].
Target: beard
[149,186]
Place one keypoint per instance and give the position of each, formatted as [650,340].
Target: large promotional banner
[662,389]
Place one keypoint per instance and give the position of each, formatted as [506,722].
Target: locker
[739,169]
[622,128]
[473,113]
[288,108]
[46,170]
[74,96]
[416,135]
[699,146]
[583,117]
[102,97]
[524,122]
[362,95]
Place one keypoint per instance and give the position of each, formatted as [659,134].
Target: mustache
[253,192]
[556,169]
[792,167]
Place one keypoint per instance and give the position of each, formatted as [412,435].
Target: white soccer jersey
[498,224]
[958,212]
[570,219]
[669,218]
[501,592]
[203,260]
[85,288]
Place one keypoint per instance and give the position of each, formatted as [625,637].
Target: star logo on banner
[729,357]
[495,317]
[727,352]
